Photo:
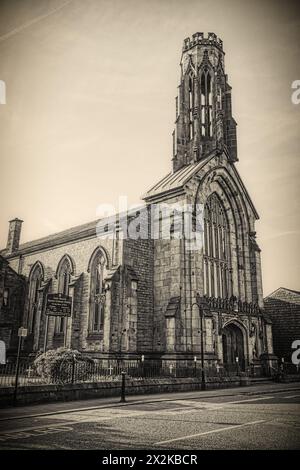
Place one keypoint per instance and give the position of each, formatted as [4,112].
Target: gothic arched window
[64,272]
[35,282]
[217,268]
[206,104]
[97,292]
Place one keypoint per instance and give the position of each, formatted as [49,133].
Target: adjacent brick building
[12,297]
[134,296]
[283,308]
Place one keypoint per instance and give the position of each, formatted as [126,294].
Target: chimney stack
[14,234]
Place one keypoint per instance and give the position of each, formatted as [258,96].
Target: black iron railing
[78,371]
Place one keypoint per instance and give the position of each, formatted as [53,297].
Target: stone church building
[140,296]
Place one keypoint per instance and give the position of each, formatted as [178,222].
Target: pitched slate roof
[176,180]
[74,233]
[87,230]
[285,295]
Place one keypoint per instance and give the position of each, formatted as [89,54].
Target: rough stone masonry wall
[67,392]
[169,283]
[80,252]
[11,316]
[139,255]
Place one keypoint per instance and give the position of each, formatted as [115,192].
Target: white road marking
[213,431]
[218,405]
[188,406]
[130,403]
[112,414]
[82,419]
[34,432]
[109,414]
[249,399]
[291,396]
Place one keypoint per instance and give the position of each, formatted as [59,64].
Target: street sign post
[22,333]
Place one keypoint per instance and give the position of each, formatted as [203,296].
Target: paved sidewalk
[60,407]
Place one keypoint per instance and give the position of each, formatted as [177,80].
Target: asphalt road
[257,418]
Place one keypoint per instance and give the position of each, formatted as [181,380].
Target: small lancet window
[191,104]
[97,293]
[64,279]
[206,104]
[35,283]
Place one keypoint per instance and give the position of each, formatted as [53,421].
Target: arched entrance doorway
[233,346]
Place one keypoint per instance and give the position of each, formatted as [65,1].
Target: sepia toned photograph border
[149,242]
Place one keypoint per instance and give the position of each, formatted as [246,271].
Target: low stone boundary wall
[288,378]
[33,394]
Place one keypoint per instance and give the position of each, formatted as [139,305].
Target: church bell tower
[204,121]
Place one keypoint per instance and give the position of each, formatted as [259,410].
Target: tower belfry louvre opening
[206,104]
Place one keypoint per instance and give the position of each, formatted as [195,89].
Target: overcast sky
[90,109]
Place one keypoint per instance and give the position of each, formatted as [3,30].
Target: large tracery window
[217,269]
[206,104]
[64,278]
[35,283]
[97,292]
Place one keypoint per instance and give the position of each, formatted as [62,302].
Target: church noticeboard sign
[59,305]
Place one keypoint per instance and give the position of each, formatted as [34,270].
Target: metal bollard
[123,400]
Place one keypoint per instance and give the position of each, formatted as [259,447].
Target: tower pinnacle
[203,107]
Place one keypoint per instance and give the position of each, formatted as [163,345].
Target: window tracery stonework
[217,266]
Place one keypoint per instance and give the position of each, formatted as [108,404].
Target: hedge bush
[58,365]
